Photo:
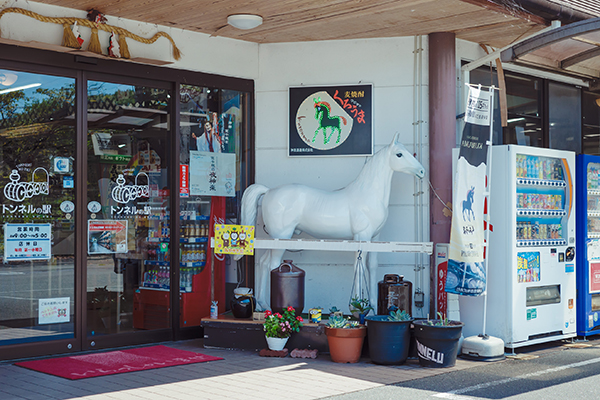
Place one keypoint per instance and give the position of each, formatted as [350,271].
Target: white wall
[201,52]
[388,64]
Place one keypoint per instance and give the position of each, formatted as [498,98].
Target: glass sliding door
[128,227]
[37,153]
[210,124]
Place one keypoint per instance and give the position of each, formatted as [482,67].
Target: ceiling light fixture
[244,21]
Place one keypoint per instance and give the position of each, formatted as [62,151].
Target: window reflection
[37,150]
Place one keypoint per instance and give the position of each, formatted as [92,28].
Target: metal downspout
[418,143]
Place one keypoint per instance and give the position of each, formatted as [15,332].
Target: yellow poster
[234,239]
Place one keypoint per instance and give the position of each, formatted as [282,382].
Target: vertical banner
[466,270]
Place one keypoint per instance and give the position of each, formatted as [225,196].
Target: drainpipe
[442,137]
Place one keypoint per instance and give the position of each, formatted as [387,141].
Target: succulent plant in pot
[360,308]
[389,337]
[437,341]
[345,339]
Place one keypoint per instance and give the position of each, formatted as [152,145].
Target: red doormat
[115,362]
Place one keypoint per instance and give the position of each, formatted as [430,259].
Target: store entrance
[111,185]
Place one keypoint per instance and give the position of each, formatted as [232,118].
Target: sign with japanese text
[330,120]
[528,267]
[54,311]
[234,239]
[184,180]
[594,277]
[466,269]
[212,174]
[107,236]
[27,242]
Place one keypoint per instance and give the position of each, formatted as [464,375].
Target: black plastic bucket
[437,345]
[389,341]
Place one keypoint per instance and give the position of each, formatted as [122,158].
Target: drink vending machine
[531,283]
[588,244]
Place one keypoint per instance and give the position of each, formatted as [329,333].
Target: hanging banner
[466,271]
[212,174]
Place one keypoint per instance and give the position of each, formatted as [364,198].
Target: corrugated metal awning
[572,50]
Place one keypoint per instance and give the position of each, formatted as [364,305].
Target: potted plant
[279,327]
[345,339]
[360,308]
[437,341]
[333,311]
[389,337]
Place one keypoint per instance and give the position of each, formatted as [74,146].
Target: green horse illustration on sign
[322,115]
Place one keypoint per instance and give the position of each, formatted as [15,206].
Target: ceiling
[479,21]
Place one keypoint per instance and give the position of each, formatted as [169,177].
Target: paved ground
[241,375]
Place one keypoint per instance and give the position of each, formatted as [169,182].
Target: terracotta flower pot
[345,344]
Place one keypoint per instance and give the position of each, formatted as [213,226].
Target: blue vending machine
[587,183]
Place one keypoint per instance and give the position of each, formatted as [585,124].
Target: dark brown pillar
[442,136]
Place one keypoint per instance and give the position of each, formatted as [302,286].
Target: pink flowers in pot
[282,326]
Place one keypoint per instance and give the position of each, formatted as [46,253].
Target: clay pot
[345,344]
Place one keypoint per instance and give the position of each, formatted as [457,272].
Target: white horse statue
[356,212]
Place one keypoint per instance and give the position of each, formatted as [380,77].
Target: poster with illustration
[528,267]
[330,120]
[107,236]
[234,239]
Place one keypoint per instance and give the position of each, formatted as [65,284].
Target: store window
[544,113]
[37,152]
[210,184]
[564,117]
[524,98]
[128,230]
[590,116]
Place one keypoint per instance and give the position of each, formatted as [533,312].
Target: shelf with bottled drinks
[541,200]
[193,247]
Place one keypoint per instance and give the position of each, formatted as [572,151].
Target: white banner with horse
[466,272]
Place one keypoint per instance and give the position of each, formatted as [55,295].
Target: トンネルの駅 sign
[330,120]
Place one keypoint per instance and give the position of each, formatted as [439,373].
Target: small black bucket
[388,340]
[437,345]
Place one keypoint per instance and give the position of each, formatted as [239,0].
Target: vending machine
[531,283]
[588,244]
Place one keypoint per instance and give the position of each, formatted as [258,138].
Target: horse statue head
[404,161]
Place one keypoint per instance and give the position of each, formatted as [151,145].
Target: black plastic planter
[389,341]
[437,345]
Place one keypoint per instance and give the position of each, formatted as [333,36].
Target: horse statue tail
[250,206]
[343,119]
